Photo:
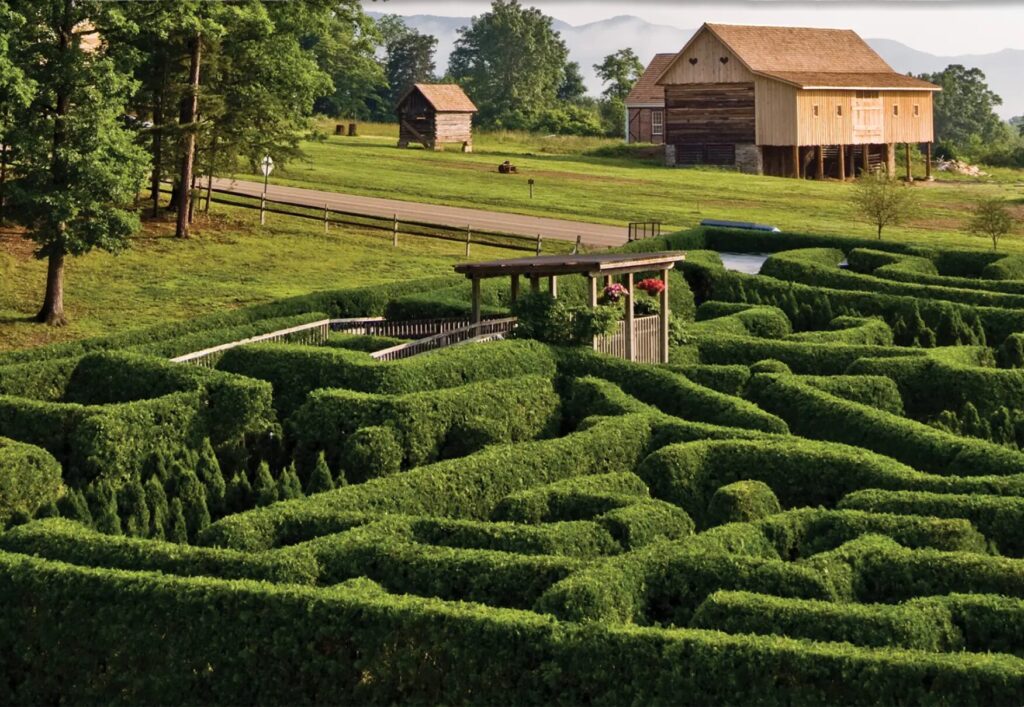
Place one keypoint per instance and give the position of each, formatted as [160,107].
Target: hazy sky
[952,27]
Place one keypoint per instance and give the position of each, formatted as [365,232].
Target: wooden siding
[829,128]
[641,126]
[419,122]
[709,113]
[708,51]
[776,117]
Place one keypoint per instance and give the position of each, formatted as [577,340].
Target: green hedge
[926,627]
[827,359]
[1000,518]
[876,391]
[430,424]
[740,502]
[1010,267]
[67,541]
[727,379]
[819,415]
[362,342]
[989,624]
[30,478]
[669,392]
[470,487]
[294,371]
[40,380]
[569,538]
[319,645]
[863,331]
[190,343]
[587,396]
[762,322]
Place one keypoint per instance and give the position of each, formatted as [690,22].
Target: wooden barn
[435,114]
[645,104]
[789,101]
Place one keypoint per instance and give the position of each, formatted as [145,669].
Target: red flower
[652,286]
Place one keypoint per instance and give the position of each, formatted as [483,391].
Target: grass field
[601,180]
[231,262]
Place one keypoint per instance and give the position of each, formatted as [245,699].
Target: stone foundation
[670,155]
[748,159]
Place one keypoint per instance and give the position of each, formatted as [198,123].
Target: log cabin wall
[709,113]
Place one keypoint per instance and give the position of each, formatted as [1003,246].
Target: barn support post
[630,320]
[819,155]
[890,159]
[853,163]
[796,162]
[865,159]
[842,163]
[928,161]
[663,316]
[515,288]
[910,165]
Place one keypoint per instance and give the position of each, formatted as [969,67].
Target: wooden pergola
[594,267]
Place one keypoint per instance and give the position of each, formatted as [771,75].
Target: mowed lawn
[231,262]
[575,178]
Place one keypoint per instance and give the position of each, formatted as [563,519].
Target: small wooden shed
[435,114]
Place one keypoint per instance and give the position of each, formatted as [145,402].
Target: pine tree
[178,531]
[131,503]
[927,339]
[972,424]
[159,512]
[288,485]
[824,312]
[264,488]
[320,480]
[1001,424]
[192,494]
[899,330]
[209,472]
[239,494]
[48,510]
[103,504]
[74,506]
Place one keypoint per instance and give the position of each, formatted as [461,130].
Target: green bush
[40,380]
[426,424]
[30,478]
[371,452]
[863,331]
[762,322]
[802,357]
[768,365]
[875,391]
[1010,267]
[741,501]
[363,342]
[729,380]
[989,624]
[571,538]
[295,371]
[926,627]
[1000,518]
[544,318]
[576,498]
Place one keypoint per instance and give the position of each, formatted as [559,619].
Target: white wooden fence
[648,347]
[488,330]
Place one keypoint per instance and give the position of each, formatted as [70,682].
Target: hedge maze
[819,500]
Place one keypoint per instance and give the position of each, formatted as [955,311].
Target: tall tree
[409,58]
[618,72]
[78,167]
[345,48]
[15,90]
[572,88]
[511,61]
[964,109]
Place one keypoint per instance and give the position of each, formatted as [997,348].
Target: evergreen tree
[178,529]
[264,487]
[134,512]
[972,424]
[320,480]
[74,506]
[239,495]
[899,330]
[103,505]
[927,339]
[288,484]
[1001,424]
[48,510]
[192,494]
[159,512]
[209,472]
[573,89]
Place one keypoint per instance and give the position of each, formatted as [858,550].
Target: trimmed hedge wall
[876,391]
[863,331]
[429,424]
[819,415]
[294,371]
[327,641]
[30,478]
[362,342]
[926,627]
[829,359]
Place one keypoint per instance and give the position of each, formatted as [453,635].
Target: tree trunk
[52,312]
[3,182]
[189,108]
[158,145]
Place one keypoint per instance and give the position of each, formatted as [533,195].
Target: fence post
[325,218]
[394,233]
[469,236]
[263,206]
[579,244]
[538,244]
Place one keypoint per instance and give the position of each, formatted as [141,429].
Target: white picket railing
[648,346]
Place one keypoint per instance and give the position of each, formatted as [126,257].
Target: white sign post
[266,166]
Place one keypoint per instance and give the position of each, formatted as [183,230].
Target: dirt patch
[13,244]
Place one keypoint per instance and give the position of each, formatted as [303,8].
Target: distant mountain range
[589,43]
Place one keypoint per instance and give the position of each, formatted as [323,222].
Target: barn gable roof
[444,97]
[808,57]
[646,90]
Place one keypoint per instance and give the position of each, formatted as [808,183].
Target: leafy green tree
[882,200]
[965,108]
[320,480]
[103,505]
[409,59]
[618,72]
[572,89]
[511,62]
[15,89]
[344,47]
[990,218]
[78,167]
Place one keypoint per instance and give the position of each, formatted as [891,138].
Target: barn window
[867,94]
[917,110]
[657,122]
[839,110]
[896,110]
[815,111]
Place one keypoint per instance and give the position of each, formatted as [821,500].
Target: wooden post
[515,288]
[553,286]
[842,163]
[469,237]
[538,244]
[325,218]
[910,171]
[796,161]
[630,320]
[866,153]
[475,317]
[534,283]
[592,300]
[890,160]
[853,162]
[394,232]
[263,206]
[663,314]
[579,243]
[820,156]
[928,161]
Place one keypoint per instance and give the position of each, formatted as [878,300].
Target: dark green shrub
[177,527]
[725,379]
[363,342]
[288,484]
[321,479]
[30,478]
[768,365]
[878,392]
[159,512]
[133,510]
[264,489]
[545,318]
[742,501]
[370,453]
[1010,267]
[74,507]
[103,506]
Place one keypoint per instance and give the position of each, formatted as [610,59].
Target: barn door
[634,125]
[867,118]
